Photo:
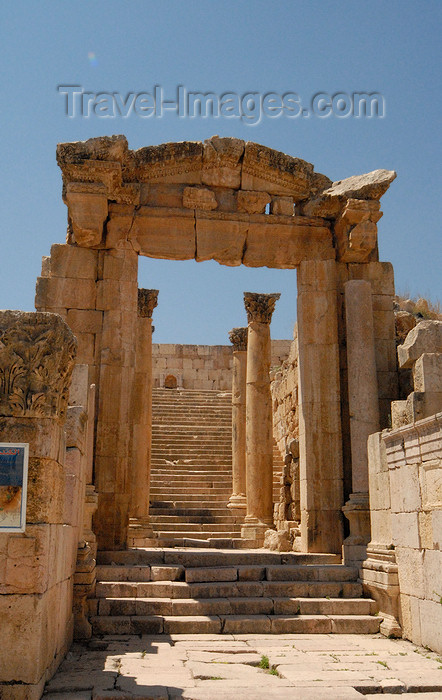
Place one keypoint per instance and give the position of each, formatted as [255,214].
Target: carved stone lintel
[147,301]
[238,338]
[260,307]
[37,354]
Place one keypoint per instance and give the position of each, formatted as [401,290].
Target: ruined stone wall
[403,569]
[37,566]
[284,388]
[414,457]
[202,366]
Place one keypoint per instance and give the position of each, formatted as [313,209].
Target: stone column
[320,439]
[139,523]
[363,409]
[117,295]
[238,337]
[259,424]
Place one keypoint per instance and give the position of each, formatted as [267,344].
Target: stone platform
[210,667]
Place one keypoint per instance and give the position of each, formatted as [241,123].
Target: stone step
[105,607]
[236,624]
[159,510]
[202,519]
[228,589]
[196,527]
[163,556]
[196,533]
[192,498]
[222,493]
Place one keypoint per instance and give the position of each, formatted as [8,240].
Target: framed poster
[14,458]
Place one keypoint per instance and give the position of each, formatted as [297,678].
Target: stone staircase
[173,591]
[191,469]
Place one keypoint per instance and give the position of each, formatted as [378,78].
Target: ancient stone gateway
[236,203]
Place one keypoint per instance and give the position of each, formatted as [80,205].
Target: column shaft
[320,441]
[363,407]
[238,336]
[139,524]
[259,424]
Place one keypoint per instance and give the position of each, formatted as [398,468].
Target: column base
[380,580]
[237,501]
[139,531]
[254,529]
[357,512]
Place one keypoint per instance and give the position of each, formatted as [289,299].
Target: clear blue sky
[306,47]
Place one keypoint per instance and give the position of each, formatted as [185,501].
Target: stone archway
[208,201]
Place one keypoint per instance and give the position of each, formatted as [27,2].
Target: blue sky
[306,47]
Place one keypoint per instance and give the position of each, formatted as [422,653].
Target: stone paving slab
[210,667]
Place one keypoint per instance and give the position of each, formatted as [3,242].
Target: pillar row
[259,427]
[238,337]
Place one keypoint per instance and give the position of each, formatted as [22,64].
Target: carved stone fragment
[199,198]
[147,301]
[369,186]
[356,231]
[37,353]
[253,202]
[238,338]
[260,307]
[222,162]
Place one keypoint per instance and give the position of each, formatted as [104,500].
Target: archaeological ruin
[270,486]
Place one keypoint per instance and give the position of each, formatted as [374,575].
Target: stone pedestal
[238,500]
[139,522]
[363,410]
[259,429]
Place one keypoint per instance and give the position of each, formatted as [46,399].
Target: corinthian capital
[147,301]
[260,307]
[238,338]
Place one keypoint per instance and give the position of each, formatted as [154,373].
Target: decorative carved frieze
[260,307]
[37,354]
[147,301]
[238,338]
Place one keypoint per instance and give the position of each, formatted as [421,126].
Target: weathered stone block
[282,206]
[82,321]
[405,530]
[405,489]
[253,202]
[411,571]
[222,240]
[88,212]
[221,162]
[199,198]
[285,245]
[67,292]
[427,373]
[164,233]
[425,337]
[72,261]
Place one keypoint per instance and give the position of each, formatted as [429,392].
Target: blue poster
[13,486]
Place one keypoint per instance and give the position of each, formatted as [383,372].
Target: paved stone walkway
[214,667]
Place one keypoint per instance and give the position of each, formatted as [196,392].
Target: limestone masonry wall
[202,366]
[37,566]
[414,457]
[284,388]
